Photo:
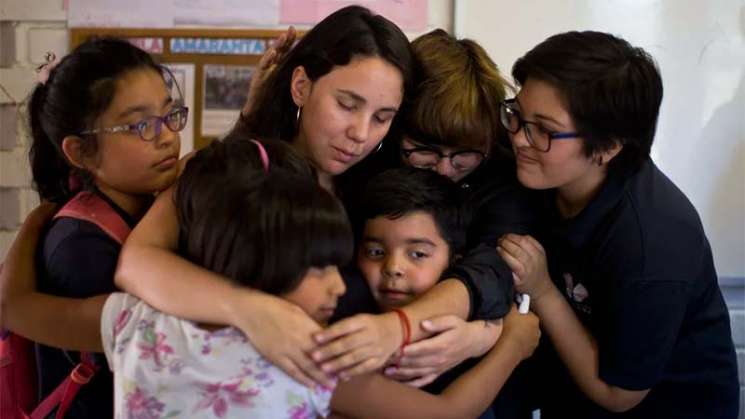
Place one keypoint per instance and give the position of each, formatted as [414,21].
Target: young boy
[411,228]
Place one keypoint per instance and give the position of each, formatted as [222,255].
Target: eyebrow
[541,116]
[360,99]
[143,108]
[549,119]
[415,240]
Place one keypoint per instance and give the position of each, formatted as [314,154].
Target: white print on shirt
[577,294]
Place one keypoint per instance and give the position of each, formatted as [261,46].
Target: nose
[445,168]
[393,268]
[359,130]
[519,139]
[166,138]
[337,287]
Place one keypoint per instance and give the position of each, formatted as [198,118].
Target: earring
[297,115]
[380,146]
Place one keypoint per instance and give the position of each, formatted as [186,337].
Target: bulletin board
[213,68]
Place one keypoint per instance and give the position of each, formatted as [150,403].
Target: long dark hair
[79,89]
[347,33]
[259,228]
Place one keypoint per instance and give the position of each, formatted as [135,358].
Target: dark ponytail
[79,89]
[49,168]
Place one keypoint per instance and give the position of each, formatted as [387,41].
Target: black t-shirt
[78,260]
[636,267]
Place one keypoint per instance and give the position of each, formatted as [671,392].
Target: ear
[72,148]
[606,156]
[300,86]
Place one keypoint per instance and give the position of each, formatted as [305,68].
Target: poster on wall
[119,14]
[236,13]
[225,91]
[184,76]
[409,15]
[171,13]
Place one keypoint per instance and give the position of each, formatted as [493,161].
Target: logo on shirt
[577,294]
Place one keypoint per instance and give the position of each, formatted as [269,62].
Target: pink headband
[263,154]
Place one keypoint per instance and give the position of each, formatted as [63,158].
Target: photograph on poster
[225,91]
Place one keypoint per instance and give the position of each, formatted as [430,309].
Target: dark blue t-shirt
[78,260]
[637,268]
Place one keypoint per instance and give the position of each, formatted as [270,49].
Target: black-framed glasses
[538,137]
[150,127]
[428,157]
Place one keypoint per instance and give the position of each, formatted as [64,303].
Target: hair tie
[263,154]
[43,71]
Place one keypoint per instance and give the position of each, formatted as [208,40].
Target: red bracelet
[406,327]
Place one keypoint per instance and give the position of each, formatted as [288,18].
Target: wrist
[399,322]
[232,308]
[544,298]
[508,346]
[492,334]
[547,287]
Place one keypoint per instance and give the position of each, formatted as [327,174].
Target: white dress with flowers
[166,367]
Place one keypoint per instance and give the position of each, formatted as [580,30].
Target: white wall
[700,48]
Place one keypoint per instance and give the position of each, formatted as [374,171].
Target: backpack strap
[66,391]
[90,207]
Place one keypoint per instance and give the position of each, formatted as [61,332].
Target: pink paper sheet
[409,15]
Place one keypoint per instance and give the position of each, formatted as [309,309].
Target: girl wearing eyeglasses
[623,277]
[105,138]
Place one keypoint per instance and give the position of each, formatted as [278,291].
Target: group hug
[358,245]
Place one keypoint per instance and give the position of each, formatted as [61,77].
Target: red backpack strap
[17,375]
[90,207]
[66,391]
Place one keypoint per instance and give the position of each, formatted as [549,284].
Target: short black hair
[398,192]
[613,90]
[259,229]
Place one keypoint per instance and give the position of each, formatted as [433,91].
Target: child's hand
[522,331]
[455,340]
[527,259]
[267,64]
[359,344]
[282,333]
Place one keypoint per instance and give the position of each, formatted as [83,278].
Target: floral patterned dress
[166,367]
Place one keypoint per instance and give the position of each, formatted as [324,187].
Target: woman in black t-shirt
[623,278]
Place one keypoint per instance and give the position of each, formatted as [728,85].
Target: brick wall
[28,29]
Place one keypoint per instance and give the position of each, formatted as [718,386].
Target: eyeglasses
[429,157]
[538,137]
[150,127]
